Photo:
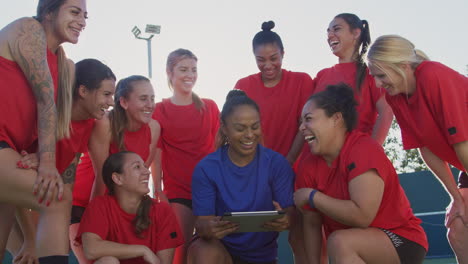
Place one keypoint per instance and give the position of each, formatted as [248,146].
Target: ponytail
[142,219]
[361,70]
[64,97]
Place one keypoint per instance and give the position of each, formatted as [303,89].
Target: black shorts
[408,251]
[76,214]
[186,202]
[462,180]
[4,145]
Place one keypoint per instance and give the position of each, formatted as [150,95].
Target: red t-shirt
[280,106]
[367,98]
[18,108]
[359,154]
[105,218]
[187,136]
[138,141]
[67,148]
[436,115]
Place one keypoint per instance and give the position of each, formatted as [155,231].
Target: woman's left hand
[301,197]
[279,224]
[26,255]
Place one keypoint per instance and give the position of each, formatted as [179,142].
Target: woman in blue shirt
[241,176]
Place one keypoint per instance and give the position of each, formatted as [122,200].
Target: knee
[457,234]
[62,206]
[206,251]
[107,260]
[338,244]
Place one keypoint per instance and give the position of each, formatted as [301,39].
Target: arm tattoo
[30,52]
[68,176]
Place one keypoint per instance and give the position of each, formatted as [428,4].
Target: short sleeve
[364,155]
[203,192]
[169,232]
[447,94]
[307,91]
[95,220]
[283,181]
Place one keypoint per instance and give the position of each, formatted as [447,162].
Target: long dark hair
[90,73]
[354,22]
[114,164]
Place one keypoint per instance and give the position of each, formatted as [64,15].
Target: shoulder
[210,161]
[275,158]
[26,30]
[247,80]
[154,126]
[99,202]
[210,103]
[297,75]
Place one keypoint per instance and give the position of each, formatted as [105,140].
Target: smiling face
[244,132]
[387,78]
[139,105]
[134,176]
[184,76]
[341,38]
[99,100]
[269,58]
[318,129]
[69,21]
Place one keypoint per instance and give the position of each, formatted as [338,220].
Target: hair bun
[267,26]
[235,93]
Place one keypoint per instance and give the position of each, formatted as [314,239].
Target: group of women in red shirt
[349,205]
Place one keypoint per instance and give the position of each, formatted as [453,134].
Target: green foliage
[403,160]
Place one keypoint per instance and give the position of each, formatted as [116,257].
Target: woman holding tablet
[241,176]
[351,189]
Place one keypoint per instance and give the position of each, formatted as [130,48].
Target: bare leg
[458,234]
[16,187]
[296,237]
[210,251]
[7,214]
[361,245]
[77,248]
[187,222]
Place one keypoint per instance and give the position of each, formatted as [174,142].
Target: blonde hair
[393,51]
[64,97]
[175,57]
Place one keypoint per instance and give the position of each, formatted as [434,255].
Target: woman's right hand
[28,161]
[149,256]
[47,181]
[218,228]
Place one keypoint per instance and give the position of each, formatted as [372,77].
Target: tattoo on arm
[29,49]
[68,175]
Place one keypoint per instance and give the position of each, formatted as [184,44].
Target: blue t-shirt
[220,186]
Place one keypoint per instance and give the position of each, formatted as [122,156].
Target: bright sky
[220,32]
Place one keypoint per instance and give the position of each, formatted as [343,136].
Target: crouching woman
[126,225]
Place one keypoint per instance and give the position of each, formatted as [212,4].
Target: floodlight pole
[148,42]
[136,32]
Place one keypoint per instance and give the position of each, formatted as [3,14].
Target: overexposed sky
[220,33]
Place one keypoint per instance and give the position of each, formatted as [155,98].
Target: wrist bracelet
[311,198]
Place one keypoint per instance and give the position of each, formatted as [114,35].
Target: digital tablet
[252,221]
